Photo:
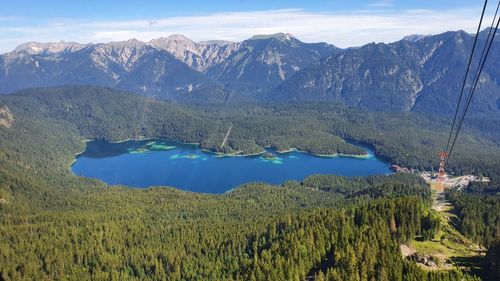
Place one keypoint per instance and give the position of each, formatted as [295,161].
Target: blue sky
[343,23]
[102,9]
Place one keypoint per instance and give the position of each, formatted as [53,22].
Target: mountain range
[420,73]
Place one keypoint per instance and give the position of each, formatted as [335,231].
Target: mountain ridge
[421,75]
[165,68]
[416,73]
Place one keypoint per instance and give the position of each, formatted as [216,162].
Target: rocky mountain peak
[129,44]
[175,43]
[34,48]
[280,36]
[415,37]
[197,55]
[178,38]
[124,53]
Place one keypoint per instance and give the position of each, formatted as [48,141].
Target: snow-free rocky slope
[418,73]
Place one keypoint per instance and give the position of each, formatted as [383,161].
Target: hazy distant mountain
[418,73]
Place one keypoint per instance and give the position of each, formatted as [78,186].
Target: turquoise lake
[158,162]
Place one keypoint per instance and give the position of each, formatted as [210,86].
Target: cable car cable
[476,80]
[466,73]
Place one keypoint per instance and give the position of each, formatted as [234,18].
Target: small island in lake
[269,156]
[139,150]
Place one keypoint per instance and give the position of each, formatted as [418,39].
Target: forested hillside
[479,211]
[55,225]
[409,140]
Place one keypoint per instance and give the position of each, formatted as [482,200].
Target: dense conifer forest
[480,215]
[55,225]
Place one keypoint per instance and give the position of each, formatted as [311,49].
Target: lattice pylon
[442,160]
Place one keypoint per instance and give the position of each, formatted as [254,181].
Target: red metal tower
[442,161]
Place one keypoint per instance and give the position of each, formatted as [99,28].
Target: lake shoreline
[361,156]
[293,149]
[232,154]
[191,168]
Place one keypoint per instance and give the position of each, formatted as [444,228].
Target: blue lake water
[159,162]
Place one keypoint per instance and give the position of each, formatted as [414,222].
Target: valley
[282,231]
[234,150]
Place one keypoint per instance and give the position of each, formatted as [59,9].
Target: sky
[344,23]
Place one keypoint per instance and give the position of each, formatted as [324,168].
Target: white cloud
[344,29]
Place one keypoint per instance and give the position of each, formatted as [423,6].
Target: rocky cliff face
[6,117]
[130,65]
[266,61]
[199,56]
